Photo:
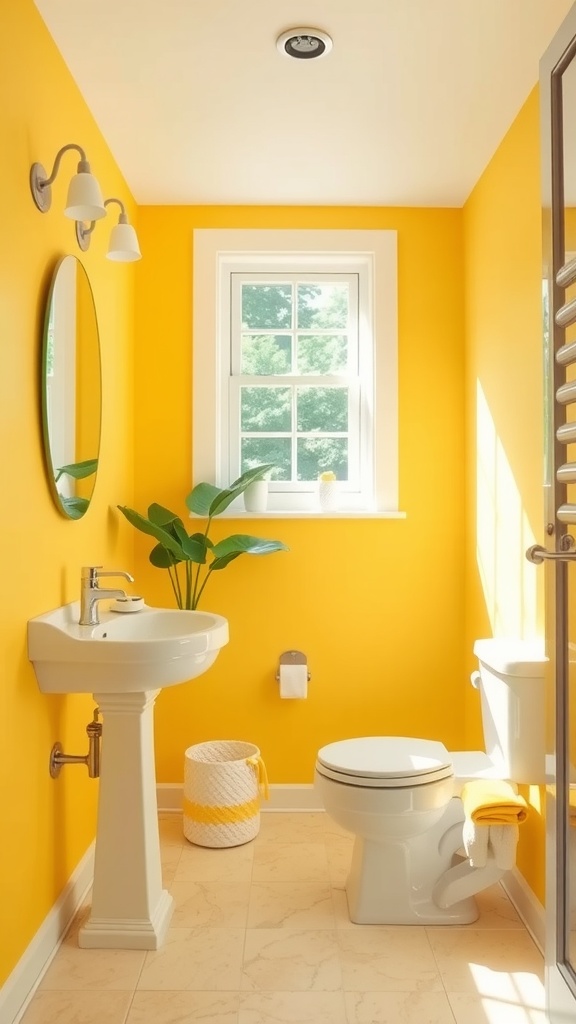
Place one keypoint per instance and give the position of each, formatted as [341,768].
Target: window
[302,372]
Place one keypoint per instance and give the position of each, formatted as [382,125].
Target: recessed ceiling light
[304,43]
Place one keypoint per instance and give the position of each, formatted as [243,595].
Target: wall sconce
[123,246]
[84,201]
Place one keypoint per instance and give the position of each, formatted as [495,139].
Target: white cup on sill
[256,496]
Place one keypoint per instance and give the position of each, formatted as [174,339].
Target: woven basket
[222,781]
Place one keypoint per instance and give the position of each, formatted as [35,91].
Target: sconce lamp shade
[84,200]
[123,247]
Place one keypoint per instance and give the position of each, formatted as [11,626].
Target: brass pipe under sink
[91,759]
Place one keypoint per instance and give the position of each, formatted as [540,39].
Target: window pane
[320,454]
[324,409]
[258,451]
[266,354]
[322,305]
[322,353]
[265,409]
[266,306]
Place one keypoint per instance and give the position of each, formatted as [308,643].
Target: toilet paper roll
[294,681]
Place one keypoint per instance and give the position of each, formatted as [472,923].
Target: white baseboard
[290,797]
[528,906]
[169,796]
[20,986]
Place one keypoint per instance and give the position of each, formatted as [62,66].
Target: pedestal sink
[125,661]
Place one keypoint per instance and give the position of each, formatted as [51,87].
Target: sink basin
[144,650]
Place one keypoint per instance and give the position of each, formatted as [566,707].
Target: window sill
[311,514]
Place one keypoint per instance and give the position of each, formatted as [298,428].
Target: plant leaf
[202,539]
[178,530]
[146,526]
[201,497]
[78,470]
[225,498]
[162,558]
[161,516]
[221,563]
[194,550]
[75,506]
[207,500]
[241,543]
[250,475]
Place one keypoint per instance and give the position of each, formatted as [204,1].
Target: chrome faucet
[91,593]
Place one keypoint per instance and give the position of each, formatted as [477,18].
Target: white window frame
[372,255]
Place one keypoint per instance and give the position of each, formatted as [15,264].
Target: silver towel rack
[537,554]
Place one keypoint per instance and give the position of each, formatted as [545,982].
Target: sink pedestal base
[130,909]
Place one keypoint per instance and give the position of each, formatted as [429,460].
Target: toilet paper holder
[292,658]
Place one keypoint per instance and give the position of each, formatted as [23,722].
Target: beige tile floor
[260,935]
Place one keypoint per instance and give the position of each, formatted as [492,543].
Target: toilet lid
[385,761]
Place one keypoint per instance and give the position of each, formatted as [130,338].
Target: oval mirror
[71,388]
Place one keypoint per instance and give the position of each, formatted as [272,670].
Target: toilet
[400,796]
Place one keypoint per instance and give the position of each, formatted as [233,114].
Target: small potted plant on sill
[196,553]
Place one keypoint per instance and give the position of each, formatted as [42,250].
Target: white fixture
[84,201]
[153,648]
[304,43]
[124,661]
[123,245]
[400,797]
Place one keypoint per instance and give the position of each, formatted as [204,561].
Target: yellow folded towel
[492,802]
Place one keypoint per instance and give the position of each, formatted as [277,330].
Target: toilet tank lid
[511,657]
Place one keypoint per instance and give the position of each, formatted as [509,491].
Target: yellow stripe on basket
[221,815]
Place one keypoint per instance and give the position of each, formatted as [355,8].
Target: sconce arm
[71,145]
[123,218]
[83,234]
[41,183]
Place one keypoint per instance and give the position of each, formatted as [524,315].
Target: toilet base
[392,881]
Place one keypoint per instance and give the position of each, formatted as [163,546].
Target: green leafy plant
[77,470]
[195,553]
[75,505]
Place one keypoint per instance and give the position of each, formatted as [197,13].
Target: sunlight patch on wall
[503,534]
[535,798]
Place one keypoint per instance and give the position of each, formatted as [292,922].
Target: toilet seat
[385,762]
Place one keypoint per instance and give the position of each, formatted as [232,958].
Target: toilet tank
[511,683]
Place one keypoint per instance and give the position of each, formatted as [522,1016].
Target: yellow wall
[504,403]
[46,825]
[376,605]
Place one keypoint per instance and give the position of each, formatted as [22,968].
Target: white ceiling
[199,107]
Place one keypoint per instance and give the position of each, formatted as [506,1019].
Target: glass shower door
[558,105]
